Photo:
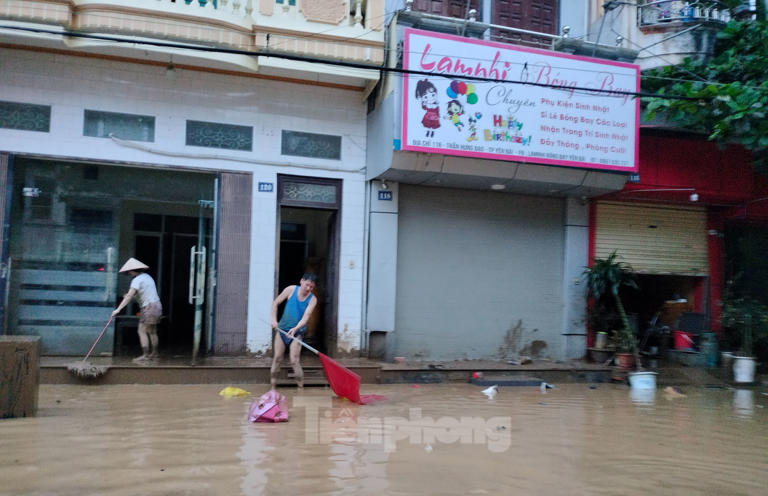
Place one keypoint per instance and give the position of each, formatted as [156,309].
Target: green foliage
[604,279]
[745,322]
[729,92]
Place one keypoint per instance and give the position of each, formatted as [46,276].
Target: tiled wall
[72,84]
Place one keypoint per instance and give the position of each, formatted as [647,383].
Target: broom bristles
[87,370]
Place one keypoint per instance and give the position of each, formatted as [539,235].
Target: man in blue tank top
[300,302]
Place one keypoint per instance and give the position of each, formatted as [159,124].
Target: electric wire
[315,60]
[76,34]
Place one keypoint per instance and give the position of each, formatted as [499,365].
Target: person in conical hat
[144,290]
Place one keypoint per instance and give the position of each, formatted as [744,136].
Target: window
[25,116]
[124,126]
[216,135]
[311,145]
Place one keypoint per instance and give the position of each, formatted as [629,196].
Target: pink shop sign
[542,107]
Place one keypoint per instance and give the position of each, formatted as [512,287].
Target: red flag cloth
[344,382]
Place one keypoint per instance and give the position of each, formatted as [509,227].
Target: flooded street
[425,439]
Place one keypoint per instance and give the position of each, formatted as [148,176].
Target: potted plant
[605,277]
[744,319]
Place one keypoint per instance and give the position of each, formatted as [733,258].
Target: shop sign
[542,107]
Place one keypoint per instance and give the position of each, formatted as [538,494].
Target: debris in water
[491,391]
[428,448]
[544,386]
[592,386]
[674,392]
[230,392]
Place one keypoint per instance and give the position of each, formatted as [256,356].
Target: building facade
[229,173]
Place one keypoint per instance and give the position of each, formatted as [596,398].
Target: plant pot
[642,380]
[600,355]
[625,361]
[743,369]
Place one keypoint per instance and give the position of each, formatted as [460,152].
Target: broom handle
[300,342]
[97,339]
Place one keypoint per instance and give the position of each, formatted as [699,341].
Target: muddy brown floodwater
[427,439]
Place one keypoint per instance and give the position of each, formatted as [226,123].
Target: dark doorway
[305,248]
[164,242]
[308,235]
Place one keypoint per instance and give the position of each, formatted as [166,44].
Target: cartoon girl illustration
[455,111]
[427,94]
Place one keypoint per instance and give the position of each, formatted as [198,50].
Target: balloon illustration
[457,88]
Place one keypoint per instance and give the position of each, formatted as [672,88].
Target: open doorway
[307,242]
[664,301]
[72,227]
[164,243]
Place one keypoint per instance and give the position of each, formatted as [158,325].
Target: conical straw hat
[133,264]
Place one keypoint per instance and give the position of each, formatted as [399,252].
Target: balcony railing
[658,13]
[346,29]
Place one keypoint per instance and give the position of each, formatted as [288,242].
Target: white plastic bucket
[743,369]
[642,380]
[601,340]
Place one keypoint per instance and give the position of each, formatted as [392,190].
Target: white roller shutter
[653,239]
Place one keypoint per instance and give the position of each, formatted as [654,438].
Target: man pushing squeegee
[300,302]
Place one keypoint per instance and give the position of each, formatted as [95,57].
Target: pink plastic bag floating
[271,407]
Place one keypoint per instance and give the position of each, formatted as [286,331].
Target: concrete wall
[72,84]
[479,274]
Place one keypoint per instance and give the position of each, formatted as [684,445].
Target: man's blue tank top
[294,311]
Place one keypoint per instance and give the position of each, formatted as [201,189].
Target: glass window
[311,145]
[216,135]
[309,192]
[124,126]
[25,116]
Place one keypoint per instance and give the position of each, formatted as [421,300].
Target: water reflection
[436,439]
[642,396]
[743,402]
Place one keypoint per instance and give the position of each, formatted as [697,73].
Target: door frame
[332,264]
[6,187]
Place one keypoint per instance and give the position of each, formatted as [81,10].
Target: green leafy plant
[604,279]
[727,95]
[745,321]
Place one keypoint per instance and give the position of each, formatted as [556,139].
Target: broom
[88,370]
[343,382]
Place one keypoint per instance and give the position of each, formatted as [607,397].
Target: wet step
[312,377]
[506,380]
[307,383]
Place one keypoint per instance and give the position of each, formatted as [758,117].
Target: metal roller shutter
[654,239]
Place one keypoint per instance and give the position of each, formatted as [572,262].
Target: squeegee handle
[300,342]
[97,340]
